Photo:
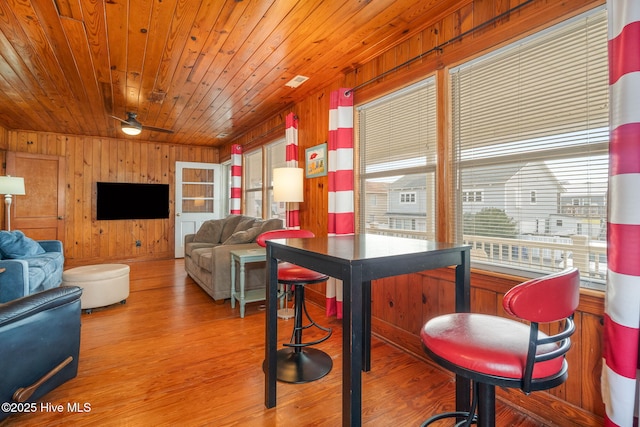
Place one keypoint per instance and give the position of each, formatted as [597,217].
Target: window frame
[270,159]
[364,224]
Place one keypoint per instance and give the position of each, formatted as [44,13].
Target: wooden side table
[242,257]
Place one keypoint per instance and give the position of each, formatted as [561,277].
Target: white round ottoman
[102,284]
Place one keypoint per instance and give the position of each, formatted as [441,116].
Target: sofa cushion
[209,231]
[244,236]
[230,224]
[43,266]
[14,244]
[249,235]
[48,261]
[190,247]
[246,223]
[271,224]
[202,258]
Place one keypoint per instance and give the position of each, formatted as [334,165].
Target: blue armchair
[27,274]
[40,336]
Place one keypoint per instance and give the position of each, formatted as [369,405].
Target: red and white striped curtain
[236,179]
[291,138]
[621,364]
[340,175]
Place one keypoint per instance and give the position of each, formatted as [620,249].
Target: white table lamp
[288,187]
[10,186]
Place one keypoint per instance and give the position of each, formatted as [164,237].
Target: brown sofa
[207,254]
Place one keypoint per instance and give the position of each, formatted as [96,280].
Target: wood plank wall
[92,159]
[401,305]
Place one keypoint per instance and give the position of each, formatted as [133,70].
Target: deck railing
[537,253]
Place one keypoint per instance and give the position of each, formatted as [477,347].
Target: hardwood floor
[172,356]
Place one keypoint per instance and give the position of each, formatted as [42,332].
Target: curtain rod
[265,133]
[440,47]
[268,131]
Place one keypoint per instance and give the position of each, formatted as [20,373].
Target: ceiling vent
[297,81]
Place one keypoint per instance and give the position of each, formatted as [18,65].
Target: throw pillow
[271,224]
[230,224]
[209,232]
[245,224]
[243,236]
[14,244]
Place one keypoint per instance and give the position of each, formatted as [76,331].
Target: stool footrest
[471,416]
[308,343]
[442,416]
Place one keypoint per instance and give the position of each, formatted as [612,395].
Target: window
[276,158]
[472,196]
[259,182]
[397,144]
[530,121]
[226,183]
[253,183]
[407,198]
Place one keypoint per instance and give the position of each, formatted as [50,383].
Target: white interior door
[198,198]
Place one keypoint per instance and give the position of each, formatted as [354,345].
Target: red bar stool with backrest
[297,362]
[495,351]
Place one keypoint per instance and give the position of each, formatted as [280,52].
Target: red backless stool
[298,362]
[495,351]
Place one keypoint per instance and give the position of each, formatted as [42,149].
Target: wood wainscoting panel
[91,159]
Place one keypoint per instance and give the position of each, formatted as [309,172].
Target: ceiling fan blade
[131,120]
[154,129]
[118,118]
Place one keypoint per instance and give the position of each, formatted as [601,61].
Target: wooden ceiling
[209,70]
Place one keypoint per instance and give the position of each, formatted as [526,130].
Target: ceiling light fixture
[131,127]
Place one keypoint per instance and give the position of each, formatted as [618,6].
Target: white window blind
[258,172]
[276,158]
[397,145]
[253,183]
[530,131]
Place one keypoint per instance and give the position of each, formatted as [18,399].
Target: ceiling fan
[131,126]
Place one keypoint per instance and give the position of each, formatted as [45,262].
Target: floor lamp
[10,186]
[288,187]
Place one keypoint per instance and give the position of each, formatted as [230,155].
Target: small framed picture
[316,161]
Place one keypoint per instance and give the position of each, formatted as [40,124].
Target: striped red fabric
[621,350]
[624,339]
[341,184]
[624,142]
[236,179]
[291,139]
[619,64]
[624,241]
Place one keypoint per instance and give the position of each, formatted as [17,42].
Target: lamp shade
[288,185]
[12,185]
[131,128]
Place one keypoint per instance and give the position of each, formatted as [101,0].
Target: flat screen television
[124,200]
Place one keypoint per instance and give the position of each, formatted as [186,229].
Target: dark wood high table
[357,260]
